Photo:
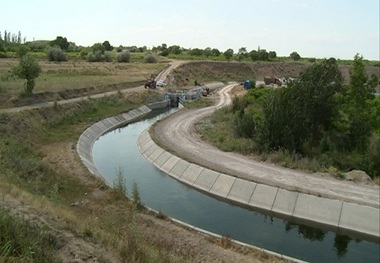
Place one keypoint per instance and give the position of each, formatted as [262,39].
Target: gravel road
[177,134]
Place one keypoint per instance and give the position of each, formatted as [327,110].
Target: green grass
[23,241]
[27,173]
[199,103]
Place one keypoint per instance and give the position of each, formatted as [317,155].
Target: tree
[228,53]
[303,111]
[360,88]
[242,53]
[359,95]
[22,50]
[207,52]
[97,47]
[215,52]
[107,46]
[29,69]
[60,42]
[272,54]
[175,50]
[254,55]
[263,55]
[295,56]
[196,52]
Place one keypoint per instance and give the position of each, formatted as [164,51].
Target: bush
[56,54]
[150,58]
[84,53]
[99,57]
[124,57]
[107,57]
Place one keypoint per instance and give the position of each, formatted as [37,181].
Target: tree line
[317,116]
[11,42]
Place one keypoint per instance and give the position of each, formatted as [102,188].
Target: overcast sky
[313,28]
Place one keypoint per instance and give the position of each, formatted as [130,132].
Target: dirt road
[176,133]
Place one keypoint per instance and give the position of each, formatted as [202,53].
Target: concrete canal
[118,149]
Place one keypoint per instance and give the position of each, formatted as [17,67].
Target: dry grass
[74,75]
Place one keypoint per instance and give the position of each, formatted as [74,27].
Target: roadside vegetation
[316,123]
[29,174]
[56,209]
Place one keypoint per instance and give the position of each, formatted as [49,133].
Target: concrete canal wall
[299,207]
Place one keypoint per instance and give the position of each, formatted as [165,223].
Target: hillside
[227,71]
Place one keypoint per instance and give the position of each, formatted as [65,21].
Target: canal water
[117,151]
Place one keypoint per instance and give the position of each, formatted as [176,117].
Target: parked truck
[272,80]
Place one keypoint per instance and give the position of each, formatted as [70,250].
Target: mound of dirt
[202,71]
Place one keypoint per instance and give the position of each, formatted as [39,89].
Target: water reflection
[307,232]
[341,244]
[161,192]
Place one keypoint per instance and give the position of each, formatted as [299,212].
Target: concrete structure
[91,134]
[303,208]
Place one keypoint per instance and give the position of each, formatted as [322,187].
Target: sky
[312,28]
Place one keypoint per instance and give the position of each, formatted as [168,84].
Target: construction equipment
[272,80]
[150,83]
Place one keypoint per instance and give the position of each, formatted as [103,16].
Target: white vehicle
[161,83]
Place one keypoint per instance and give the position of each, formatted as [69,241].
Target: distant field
[75,74]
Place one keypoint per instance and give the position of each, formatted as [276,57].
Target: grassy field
[74,78]
[34,172]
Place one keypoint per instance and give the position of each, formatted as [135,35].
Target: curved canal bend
[159,191]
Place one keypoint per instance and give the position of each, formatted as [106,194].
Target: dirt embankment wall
[239,71]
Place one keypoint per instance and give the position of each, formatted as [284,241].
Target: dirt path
[162,75]
[177,134]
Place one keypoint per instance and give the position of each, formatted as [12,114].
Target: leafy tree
[196,52]
[97,47]
[306,109]
[272,54]
[164,52]
[215,52]
[242,53]
[207,52]
[22,50]
[175,50]
[107,46]
[295,56]
[254,55]
[263,55]
[361,88]
[228,53]
[358,104]
[60,42]
[29,69]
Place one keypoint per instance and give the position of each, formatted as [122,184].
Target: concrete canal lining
[91,134]
[340,215]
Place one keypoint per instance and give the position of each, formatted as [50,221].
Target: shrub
[124,57]
[107,57]
[150,58]
[84,53]
[56,54]
[95,56]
